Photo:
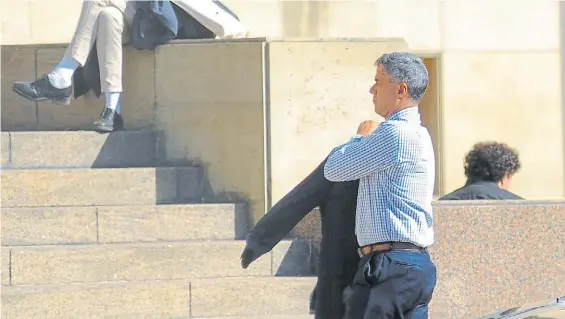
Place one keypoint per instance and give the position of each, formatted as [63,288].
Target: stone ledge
[122,224]
[82,149]
[250,296]
[37,265]
[83,187]
[161,299]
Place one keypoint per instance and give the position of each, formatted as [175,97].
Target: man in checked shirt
[394,162]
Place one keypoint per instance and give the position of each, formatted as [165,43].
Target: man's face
[386,94]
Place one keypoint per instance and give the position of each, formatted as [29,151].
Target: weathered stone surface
[83,149]
[221,86]
[76,187]
[250,297]
[521,29]
[5,149]
[512,252]
[138,98]
[48,225]
[115,224]
[120,300]
[542,177]
[171,222]
[18,64]
[15,26]
[293,260]
[318,95]
[279,96]
[143,261]
[5,270]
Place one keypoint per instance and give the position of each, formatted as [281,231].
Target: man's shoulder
[388,125]
[480,191]
[389,128]
[405,133]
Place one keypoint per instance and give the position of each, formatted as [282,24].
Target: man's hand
[367,127]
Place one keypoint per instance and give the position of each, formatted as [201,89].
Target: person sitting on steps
[103,26]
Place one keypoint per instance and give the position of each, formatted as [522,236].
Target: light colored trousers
[108,23]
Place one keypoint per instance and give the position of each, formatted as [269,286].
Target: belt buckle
[360,252]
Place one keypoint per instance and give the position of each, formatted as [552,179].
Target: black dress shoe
[42,90]
[109,121]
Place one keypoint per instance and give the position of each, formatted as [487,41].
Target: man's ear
[402,90]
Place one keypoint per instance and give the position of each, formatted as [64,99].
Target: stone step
[36,265]
[79,149]
[82,187]
[122,224]
[204,298]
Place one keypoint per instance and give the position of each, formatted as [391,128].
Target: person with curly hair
[489,168]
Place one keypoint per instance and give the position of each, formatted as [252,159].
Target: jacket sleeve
[285,215]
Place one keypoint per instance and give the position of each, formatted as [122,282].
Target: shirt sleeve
[363,156]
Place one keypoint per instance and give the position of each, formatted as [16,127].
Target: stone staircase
[95,226]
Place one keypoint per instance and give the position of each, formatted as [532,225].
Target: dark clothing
[480,190]
[338,247]
[87,78]
[392,285]
[154,23]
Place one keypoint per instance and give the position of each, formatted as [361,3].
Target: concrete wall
[499,66]
[260,115]
[212,114]
[318,94]
[488,92]
[490,256]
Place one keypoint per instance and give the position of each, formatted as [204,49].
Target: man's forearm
[331,169]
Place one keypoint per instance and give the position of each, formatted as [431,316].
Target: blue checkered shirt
[395,166]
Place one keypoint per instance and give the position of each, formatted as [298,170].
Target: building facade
[496,67]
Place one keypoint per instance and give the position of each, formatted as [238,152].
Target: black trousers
[338,249]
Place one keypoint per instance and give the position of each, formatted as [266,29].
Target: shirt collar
[407,114]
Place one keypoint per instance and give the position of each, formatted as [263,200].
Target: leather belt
[380,247]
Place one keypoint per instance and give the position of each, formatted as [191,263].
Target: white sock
[113,102]
[62,76]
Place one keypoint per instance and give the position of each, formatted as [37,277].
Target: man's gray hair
[408,68]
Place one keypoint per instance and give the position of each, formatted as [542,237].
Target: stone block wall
[489,255]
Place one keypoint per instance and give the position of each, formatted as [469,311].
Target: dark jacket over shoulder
[338,247]
[480,190]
